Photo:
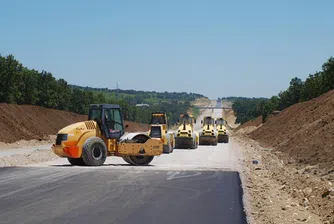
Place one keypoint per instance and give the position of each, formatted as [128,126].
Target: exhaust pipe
[184,125]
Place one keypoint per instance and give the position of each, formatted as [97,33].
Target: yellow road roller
[186,137]
[208,134]
[221,129]
[158,130]
[91,142]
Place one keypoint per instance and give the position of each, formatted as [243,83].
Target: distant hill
[143,97]
[21,85]
[234,98]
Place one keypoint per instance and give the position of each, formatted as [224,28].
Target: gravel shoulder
[25,152]
[275,192]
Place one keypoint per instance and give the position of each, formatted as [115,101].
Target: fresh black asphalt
[74,195]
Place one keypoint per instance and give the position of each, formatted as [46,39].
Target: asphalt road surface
[187,186]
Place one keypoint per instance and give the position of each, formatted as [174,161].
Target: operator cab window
[186,119]
[113,120]
[208,120]
[221,122]
[94,114]
[158,120]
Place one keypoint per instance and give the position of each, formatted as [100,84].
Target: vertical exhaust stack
[184,125]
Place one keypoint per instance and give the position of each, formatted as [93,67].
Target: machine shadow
[104,165]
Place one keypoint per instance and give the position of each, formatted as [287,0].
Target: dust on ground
[278,193]
[24,143]
[37,156]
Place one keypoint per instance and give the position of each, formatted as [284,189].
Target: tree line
[21,85]
[298,91]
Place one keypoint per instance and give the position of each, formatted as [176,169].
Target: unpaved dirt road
[187,186]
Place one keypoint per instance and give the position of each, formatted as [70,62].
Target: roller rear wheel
[127,159]
[76,161]
[140,160]
[94,152]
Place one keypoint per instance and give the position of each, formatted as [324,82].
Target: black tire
[141,160]
[193,145]
[76,161]
[200,142]
[94,152]
[215,143]
[127,159]
[227,138]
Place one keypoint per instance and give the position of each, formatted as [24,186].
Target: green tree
[328,75]
[10,72]
[63,96]
[47,90]
[28,87]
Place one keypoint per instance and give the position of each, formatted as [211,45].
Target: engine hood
[78,128]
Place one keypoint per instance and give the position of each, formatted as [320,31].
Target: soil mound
[33,122]
[304,132]
[252,123]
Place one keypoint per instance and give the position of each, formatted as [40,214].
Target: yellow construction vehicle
[90,142]
[158,130]
[186,137]
[208,135]
[221,129]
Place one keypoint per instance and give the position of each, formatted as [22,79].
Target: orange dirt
[304,132]
[33,122]
[255,122]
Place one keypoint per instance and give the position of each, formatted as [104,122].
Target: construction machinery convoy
[90,142]
[158,130]
[221,129]
[103,134]
[186,137]
[208,134]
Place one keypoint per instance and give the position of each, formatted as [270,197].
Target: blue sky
[216,48]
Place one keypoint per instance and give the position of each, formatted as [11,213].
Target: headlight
[60,138]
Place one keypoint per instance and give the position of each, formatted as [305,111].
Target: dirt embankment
[303,132]
[295,160]
[28,122]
